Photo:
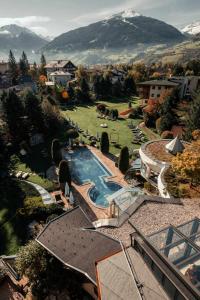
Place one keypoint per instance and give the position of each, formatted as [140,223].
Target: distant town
[99,180]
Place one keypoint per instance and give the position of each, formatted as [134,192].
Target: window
[153,87]
[152,95]
[159,87]
[158,95]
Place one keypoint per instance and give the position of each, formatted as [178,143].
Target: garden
[87,118]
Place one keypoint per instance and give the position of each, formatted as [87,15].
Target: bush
[167,135]
[149,187]
[56,151]
[72,134]
[64,173]
[32,202]
[104,143]
[101,107]
[124,160]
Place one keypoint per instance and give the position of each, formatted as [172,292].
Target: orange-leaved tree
[187,164]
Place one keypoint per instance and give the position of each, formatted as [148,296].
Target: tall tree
[193,121]
[13,67]
[85,88]
[56,151]
[42,65]
[13,115]
[104,143]
[34,111]
[64,174]
[24,64]
[124,160]
[129,85]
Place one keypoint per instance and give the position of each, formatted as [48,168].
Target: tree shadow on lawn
[36,161]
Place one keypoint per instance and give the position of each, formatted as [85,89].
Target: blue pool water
[86,167]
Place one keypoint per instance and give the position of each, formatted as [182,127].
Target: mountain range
[19,38]
[122,37]
[126,29]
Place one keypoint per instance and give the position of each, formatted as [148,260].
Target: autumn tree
[187,164]
[193,121]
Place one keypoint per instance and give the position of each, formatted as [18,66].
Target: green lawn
[86,117]
[13,227]
[37,164]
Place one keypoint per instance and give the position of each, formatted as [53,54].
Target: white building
[60,77]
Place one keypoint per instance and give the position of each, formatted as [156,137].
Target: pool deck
[84,200]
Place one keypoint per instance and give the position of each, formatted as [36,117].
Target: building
[188,85]
[156,158]
[60,77]
[4,67]
[60,65]
[153,89]
[73,240]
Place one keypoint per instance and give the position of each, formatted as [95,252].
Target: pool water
[86,167]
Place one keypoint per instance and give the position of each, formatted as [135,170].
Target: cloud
[32,22]
[5,32]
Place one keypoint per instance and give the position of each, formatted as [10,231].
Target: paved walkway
[46,197]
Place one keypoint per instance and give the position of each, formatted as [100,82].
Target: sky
[53,17]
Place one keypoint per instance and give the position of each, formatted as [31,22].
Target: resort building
[188,85]
[156,158]
[73,240]
[153,89]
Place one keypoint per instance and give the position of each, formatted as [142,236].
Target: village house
[4,67]
[60,77]
[60,65]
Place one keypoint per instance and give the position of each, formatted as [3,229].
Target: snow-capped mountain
[192,28]
[19,38]
[128,13]
[122,30]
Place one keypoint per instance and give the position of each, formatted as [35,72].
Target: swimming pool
[86,167]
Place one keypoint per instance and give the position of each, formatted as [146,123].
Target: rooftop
[159,83]
[60,73]
[57,63]
[180,245]
[73,239]
[152,216]
[157,150]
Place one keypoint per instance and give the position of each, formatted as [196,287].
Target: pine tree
[34,112]
[13,115]
[13,67]
[24,64]
[42,65]
[85,89]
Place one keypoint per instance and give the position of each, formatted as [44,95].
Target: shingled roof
[73,239]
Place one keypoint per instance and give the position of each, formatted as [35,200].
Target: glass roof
[181,246]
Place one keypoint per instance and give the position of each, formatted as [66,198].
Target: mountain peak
[192,28]
[128,13]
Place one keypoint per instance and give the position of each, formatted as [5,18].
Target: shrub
[149,187]
[56,151]
[101,107]
[158,122]
[124,160]
[31,202]
[72,134]
[167,135]
[104,143]
[64,173]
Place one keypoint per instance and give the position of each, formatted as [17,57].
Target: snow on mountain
[192,28]
[128,13]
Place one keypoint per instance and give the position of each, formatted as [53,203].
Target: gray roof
[159,82]
[58,64]
[73,239]
[175,146]
[115,279]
